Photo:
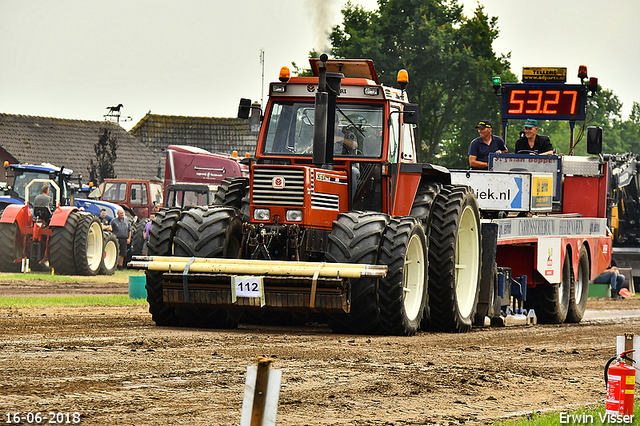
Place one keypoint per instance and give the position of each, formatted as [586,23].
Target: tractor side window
[156,193]
[115,191]
[408,147]
[394,135]
[138,194]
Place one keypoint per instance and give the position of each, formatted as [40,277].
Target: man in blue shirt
[482,146]
[122,229]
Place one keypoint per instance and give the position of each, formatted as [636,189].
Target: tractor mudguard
[59,217]
[14,212]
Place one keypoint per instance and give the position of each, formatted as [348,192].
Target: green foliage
[449,58]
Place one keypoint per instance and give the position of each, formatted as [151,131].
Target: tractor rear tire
[422,209]
[88,245]
[551,301]
[454,259]
[10,247]
[161,237]
[209,231]
[231,191]
[61,247]
[403,292]
[355,238]
[110,254]
[137,239]
[579,289]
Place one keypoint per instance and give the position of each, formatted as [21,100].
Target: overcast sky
[74,58]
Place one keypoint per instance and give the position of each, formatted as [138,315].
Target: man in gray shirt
[122,230]
[41,204]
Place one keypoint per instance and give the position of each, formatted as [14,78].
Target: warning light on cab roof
[403,78]
[285,74]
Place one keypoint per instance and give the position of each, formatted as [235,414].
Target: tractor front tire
[355,238]
[209,231]
[110,254]
[88,245]
[403,291]
[161,237]
[61,257]
[454,259]
[10,247]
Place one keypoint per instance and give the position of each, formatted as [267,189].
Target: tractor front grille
[267,190]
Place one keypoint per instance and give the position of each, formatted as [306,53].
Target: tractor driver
[41,204]
[532,142]
[345,139]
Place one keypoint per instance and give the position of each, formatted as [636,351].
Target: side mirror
[594,140]
[244,109]
[410,114]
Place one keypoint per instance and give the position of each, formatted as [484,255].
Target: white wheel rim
[94,246]
[467,261]
[110,254]
[413,279]
[578,285]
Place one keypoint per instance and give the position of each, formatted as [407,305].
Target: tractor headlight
[261,214]
[294,215]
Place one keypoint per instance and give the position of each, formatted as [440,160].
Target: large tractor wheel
[422,209]
[403,292]
[579,289]
[551,302]
[88,245]
[355,238]
[209,231]
[61,257]
[110,254]
[161,237]
[231,191]
[10,247]
[454,259]
[137,238]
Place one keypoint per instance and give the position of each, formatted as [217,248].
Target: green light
[497,81]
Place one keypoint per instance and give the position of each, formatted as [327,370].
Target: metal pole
[260,393]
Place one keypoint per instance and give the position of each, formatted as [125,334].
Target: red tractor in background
[70,242]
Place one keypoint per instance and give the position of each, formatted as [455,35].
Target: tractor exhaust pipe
[325,114]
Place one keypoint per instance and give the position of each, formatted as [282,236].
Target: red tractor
[70,242]
[336,217]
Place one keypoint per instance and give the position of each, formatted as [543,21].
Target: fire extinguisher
[621,380]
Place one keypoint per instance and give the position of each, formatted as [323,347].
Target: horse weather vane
[114,114]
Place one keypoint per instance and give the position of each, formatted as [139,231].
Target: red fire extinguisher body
[620,389]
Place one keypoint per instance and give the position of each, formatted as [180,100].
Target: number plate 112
[247,286]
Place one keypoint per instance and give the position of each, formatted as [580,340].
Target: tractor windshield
[359,129]
[22,179]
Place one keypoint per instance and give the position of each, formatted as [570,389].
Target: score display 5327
[544,101]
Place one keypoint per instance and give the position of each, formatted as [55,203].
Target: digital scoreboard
[544,101]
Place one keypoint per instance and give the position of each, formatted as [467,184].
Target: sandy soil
[112,365]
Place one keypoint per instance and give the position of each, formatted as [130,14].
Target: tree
[106,155]
[449,58]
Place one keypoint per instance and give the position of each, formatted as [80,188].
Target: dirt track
[114,366]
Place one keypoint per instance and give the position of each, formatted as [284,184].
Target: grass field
[55,301]
[595,416]
[117,277]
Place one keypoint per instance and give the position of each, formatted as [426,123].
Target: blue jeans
[616,280]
